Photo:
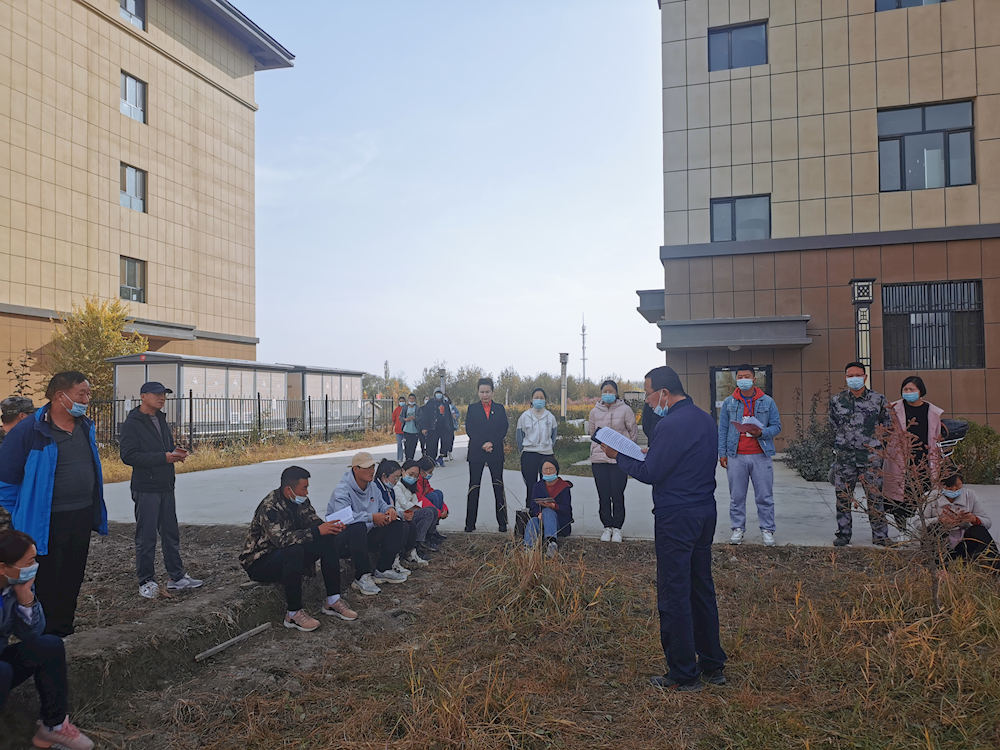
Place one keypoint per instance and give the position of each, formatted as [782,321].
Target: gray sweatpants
[426,520]
[156,512]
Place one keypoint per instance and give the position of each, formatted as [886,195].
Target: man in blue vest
[680,464]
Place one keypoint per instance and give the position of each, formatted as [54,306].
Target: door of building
[722,383]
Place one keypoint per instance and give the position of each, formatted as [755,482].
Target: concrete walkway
[804,511]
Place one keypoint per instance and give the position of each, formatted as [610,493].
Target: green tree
[88,336]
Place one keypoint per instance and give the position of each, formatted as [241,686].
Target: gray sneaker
[149,590]
[388,576]
[186,582]
[551,551]
[366,585]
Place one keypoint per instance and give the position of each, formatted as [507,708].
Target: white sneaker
[616,535]
[150,590]
[606,536]
[398,567]
[366,585]
[416,559]
[737,537]
[388,576]
[187,582]
[768,538]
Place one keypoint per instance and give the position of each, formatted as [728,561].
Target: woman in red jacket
[397,428]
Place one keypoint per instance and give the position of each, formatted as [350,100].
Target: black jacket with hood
[146,452]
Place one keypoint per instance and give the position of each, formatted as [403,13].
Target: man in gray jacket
[374,525]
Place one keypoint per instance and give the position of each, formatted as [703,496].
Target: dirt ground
[485,649]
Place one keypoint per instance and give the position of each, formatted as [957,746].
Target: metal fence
[219,420]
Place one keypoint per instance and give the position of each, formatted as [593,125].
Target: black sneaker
[438,537]
[841,541]
[503,529]
[881,541]
[668,683]
[714,676]
[469,529]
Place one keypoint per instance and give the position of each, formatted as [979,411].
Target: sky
[460,182]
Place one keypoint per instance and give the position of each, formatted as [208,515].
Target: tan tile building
[127,167]
[832,192]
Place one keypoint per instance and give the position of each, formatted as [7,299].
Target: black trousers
[475,478]
[433,438]
[156,512]
[977,544]
[288,564]
[447,442]
[44,659]
[423,443]
[409,445]
[60,573]
[531,470]
[357,542]
[610,481]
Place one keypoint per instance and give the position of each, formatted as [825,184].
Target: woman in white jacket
[536,434]
[958,517]
[424,515]
[615,414]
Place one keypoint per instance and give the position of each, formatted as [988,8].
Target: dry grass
[242,453]
[827,650]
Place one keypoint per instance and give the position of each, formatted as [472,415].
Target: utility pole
[583,335]
[563,359]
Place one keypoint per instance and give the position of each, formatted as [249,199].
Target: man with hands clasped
[486,424]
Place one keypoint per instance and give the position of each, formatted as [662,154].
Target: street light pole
[563,359]
[442,374]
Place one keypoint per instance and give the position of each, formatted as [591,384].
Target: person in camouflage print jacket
[855,416]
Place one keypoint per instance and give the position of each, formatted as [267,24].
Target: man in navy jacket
[680,464]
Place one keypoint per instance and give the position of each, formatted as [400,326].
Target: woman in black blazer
[486,425]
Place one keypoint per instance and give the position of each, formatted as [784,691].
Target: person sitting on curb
[551,509]
[374,526]
[958,517]
[431,497]
[420,509]
[38,656]
[387,476]
[285,539]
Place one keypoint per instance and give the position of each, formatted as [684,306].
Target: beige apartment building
[832,193]
[127,168]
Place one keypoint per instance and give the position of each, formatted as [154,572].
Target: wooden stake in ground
[226,644]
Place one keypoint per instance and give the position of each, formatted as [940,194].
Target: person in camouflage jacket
[855,416]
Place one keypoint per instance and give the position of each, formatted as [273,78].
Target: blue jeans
[399,447]
[437,498]
[743,469]
[548,525]
[685,593]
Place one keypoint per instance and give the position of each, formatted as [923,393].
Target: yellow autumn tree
[88,336]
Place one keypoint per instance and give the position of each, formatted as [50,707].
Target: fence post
[260,427]
[309,405]
[191,418]
[373,415]
[326,418]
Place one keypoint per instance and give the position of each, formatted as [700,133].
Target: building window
[933,326]
[894,4]
[133,11]
[737,46]
[925,147]
[133,101]
[741,219]
[133,188]
[133,279]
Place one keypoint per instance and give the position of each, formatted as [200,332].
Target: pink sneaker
[67,737]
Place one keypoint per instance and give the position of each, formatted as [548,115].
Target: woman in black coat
[486,426]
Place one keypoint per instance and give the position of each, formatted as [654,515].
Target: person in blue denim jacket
[748,456]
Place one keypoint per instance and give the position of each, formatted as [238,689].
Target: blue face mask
[952,494]
[538,403]
[408,479]
[660,411]
[439,396]
[911,397]
[550,477]
[76,410]
[27,573]
[744,384]
[608,398]
[855,384]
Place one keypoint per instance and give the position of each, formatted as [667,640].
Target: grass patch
[244,452]
[828,649]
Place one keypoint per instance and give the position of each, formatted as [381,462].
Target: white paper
[753,421]
[344,515]
[620,443]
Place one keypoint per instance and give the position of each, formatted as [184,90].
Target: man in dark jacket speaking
[147,445]
[680,464]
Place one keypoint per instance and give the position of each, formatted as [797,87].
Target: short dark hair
[539,390]
[8,418]
[62,381]
[414,395]
[386,467]
[855,364]
[409,464]
[426,463]
[917,381]
[485,381]
[952,479]
[13,545]
[612,383]
[549,460]
[744,366]
[291,476]
[661,378]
